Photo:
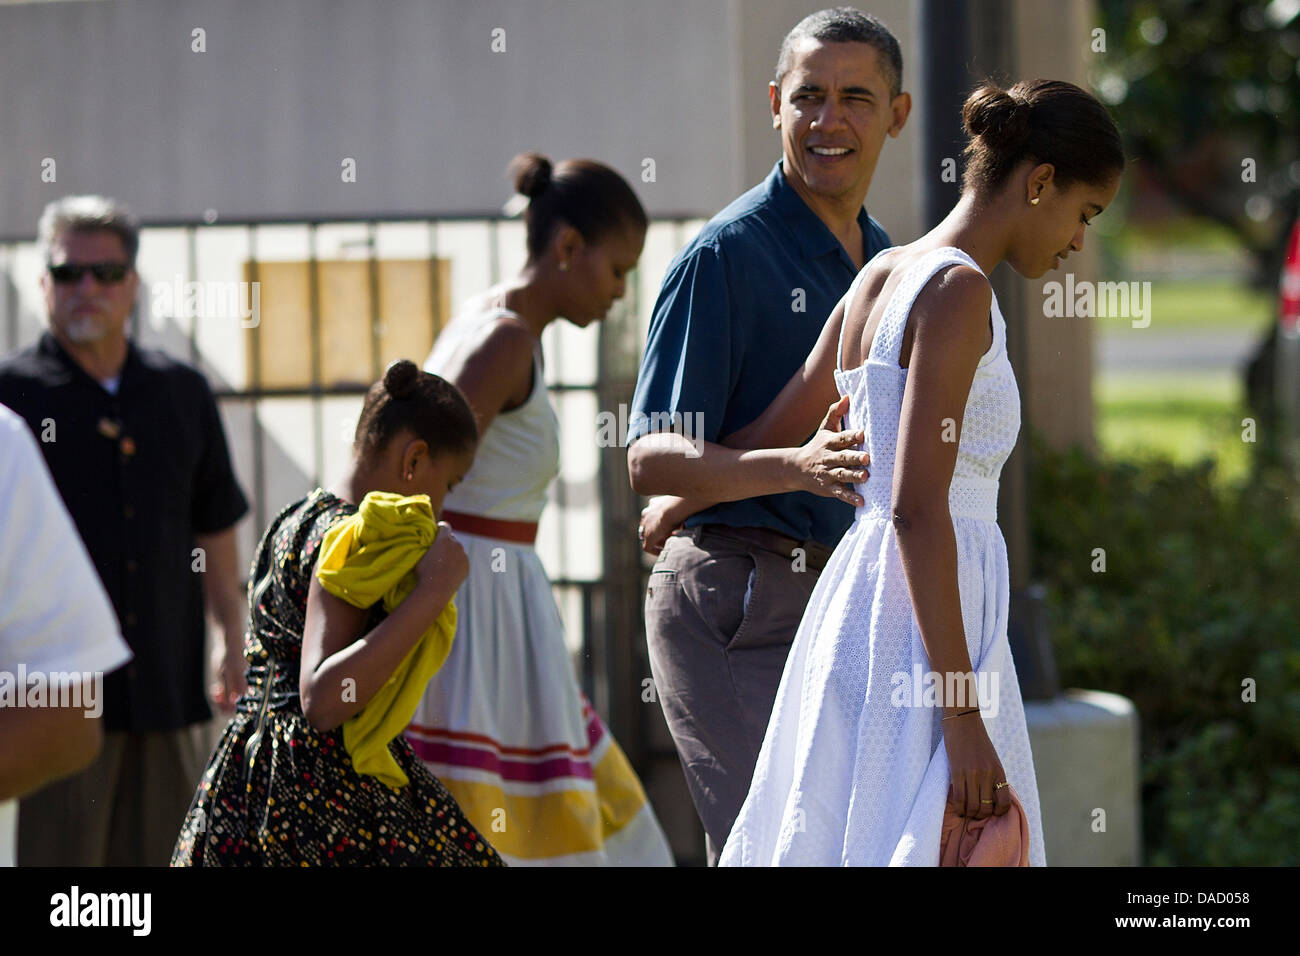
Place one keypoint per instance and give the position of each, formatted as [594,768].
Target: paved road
[1193,350]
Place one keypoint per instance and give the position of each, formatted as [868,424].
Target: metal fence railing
[289,393]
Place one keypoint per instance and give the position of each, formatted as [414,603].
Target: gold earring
[564,267]
[1034,201]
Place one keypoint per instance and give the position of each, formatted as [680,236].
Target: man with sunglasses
[136,448]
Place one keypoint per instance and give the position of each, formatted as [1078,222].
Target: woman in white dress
[504,724]
[900,695]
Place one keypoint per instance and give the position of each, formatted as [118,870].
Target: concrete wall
[258,125]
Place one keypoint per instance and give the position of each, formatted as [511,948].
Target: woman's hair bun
[997,117]
[401,378]
[531,173]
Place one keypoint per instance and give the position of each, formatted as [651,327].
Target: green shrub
[1201,591]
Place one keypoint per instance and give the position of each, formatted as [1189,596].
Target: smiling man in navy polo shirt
[740,308]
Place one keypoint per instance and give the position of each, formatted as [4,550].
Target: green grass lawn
[1180,415]
[1204,304]
[1186,231]
[1189,301]
[1185,417]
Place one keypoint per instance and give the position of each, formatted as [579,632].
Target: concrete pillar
[1058,373]
[1085,745]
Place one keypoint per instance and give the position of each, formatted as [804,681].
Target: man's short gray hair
[845,25]
[88,214]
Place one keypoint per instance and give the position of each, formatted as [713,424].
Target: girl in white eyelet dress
[847,775]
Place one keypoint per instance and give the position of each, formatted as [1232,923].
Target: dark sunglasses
[104,272]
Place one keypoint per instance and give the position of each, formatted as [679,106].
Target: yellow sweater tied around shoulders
[368,557]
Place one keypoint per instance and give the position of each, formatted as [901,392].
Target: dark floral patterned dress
[277,792]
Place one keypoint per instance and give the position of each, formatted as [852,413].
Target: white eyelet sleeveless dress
[853,769]
[504,724]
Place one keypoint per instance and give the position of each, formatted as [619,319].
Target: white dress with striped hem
[504,724]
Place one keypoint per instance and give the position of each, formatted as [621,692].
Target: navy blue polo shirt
[739,310]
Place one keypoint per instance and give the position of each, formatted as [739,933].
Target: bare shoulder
[956,300]
[881,267]
[505,343]
[878,271]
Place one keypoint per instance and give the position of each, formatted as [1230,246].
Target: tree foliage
[1207,93]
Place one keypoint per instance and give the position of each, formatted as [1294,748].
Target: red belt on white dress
[522,532]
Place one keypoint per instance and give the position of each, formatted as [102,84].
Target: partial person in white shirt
[56,627]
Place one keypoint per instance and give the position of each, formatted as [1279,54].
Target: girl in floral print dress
[279,788]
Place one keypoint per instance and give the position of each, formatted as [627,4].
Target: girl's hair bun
[997,117]
[531,173]
[1043,121]
[401,379]
[428,406]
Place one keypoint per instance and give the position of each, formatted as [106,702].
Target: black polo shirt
[142,472]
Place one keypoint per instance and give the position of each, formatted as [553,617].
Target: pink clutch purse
[993,841]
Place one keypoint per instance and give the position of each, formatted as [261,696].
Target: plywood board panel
[409,315]
[414,304]
[345,330]
[282,358]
